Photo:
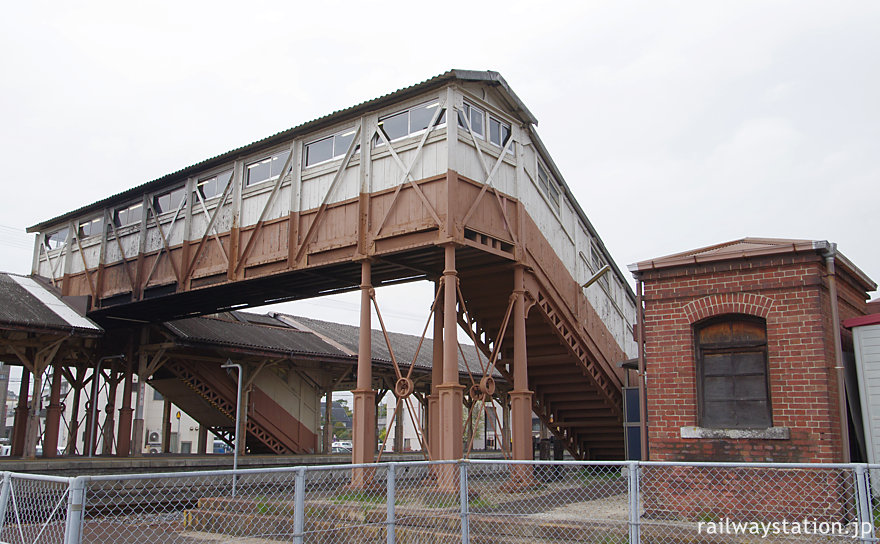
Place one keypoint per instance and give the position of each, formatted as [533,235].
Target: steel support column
[328,423]
[137,432]
[33,415]
[364,432]
[451,393]
[53,415]
[166,426]
[73,425]
[203,440]
[436,379]
[19,426]
[110,418]
[520,397]
[123,440]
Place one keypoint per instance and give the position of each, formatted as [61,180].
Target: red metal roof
[861,321]
[745,248]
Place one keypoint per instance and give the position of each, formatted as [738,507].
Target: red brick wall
[791,294]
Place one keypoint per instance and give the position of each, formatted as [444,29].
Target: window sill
[769,433]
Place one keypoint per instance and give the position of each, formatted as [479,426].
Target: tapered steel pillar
[53,415]
[520,397]
[203,440]
[33,416]
[166,426]
[110,418]
[73,426]
[123,444]
[19,426]
[328,423]
[364,432]
[451,393]
[436,379]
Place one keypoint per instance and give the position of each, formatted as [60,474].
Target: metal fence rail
[451,501]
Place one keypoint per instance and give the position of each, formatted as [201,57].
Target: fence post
[76,495]
[463,499]
[390,528]
[4,500]
[865,530]
[633,492]
[299,505]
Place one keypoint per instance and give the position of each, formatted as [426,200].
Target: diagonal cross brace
[332,189]
[408,170]
[259,225]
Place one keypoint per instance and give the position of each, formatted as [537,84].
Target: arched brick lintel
[738,303]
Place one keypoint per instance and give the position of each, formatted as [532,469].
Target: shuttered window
[733,384]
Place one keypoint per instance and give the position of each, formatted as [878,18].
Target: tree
[339,431]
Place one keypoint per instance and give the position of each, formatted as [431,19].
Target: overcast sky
[677,125]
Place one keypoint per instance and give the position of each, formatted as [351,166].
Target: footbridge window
[548,185]
[213,186]
[499,131]
[169,200]
[129,215]
[266,169]
[408,122]
[733,387]
[55,240]
[91,227]
[328,148]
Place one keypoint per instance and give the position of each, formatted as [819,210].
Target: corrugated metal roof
[339,115]
[405,345]
[27,303]
[224,332]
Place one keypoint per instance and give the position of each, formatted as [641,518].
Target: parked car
[340,449]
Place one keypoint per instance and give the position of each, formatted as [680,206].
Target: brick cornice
[732,303]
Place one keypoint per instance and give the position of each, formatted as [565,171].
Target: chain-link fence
[455,501]
[33,508]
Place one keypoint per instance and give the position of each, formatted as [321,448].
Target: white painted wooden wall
[306,188]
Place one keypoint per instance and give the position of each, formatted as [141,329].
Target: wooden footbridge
[445,181]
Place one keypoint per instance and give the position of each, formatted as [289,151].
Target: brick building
[740,352]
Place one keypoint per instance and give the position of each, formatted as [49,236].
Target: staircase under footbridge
[208,394]
[453,161]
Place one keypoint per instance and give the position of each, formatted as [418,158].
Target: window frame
[246,181]
[503,124]
[551,186]
[117,223]
[47,239]
[99,220]
[764,420]
[154,200]
[469,126]
[441,122]
[200,182]
[335,154]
